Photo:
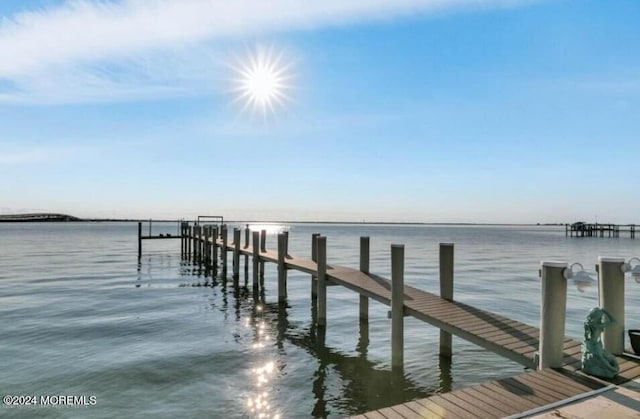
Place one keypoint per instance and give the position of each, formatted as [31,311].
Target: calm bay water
[80,316]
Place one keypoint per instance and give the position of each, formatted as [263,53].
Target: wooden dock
[582,229]
[519,342]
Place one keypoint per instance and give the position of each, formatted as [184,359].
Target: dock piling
[282,270]
[552,314]
[322,280]
[247,232]
[611,298]
[446,292]
[223,250]
[139,241]
[364,267]
[314,257]
[263,248]
[188,239]
[214,247]
[236,253]
[256,258]
[397,306]
[207,249]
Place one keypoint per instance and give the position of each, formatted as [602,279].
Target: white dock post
[397,306]
[364,267]
[256,258]
[224,250]
[611,298]
[314,257]
[236,253]
[552,314]
[322,280]
[446,292]
[282,270]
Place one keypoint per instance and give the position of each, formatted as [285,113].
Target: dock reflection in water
[366,384]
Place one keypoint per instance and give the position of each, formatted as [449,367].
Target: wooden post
[286,243]
[322,280]
[552,314]
[314,257]
[397,306]
[263,248]
[207,252]
[139,240]
[364,267]
[256,258]
[224,250]
[446,292]
[236,253]
[188,239]
[214,249]
[611,298]
[282,270]
[246,245]
[196,245]
[181,232]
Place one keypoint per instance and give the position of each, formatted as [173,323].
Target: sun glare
[263,81]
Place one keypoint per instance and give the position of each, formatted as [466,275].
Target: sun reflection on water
[269,228]
[259,404]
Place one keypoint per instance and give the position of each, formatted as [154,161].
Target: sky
[487,111]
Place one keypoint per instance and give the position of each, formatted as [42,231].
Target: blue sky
[403,110]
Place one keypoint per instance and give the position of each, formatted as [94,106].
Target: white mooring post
[322,280]
[236,253]
[364,267]
[282,270]
[314,257]
[255,236]
[446,292]
[223,249]
[611,298]
[552,314]
[397,306]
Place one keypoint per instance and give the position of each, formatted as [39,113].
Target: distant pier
[582,229]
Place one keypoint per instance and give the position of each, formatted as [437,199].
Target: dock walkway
[510,338]
[525,393]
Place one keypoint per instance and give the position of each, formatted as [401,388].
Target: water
[81,317]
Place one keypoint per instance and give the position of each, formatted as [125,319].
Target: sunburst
[263,81]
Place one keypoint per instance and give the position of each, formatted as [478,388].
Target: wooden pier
[519,342]
[582,229]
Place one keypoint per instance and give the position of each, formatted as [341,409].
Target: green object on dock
[595,359]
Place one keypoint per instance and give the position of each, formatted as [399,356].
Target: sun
[263,81]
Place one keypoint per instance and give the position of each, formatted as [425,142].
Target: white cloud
[57,54]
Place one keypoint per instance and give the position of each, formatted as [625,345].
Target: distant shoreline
[52,217]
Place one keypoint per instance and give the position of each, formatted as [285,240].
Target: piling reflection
[364,384]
